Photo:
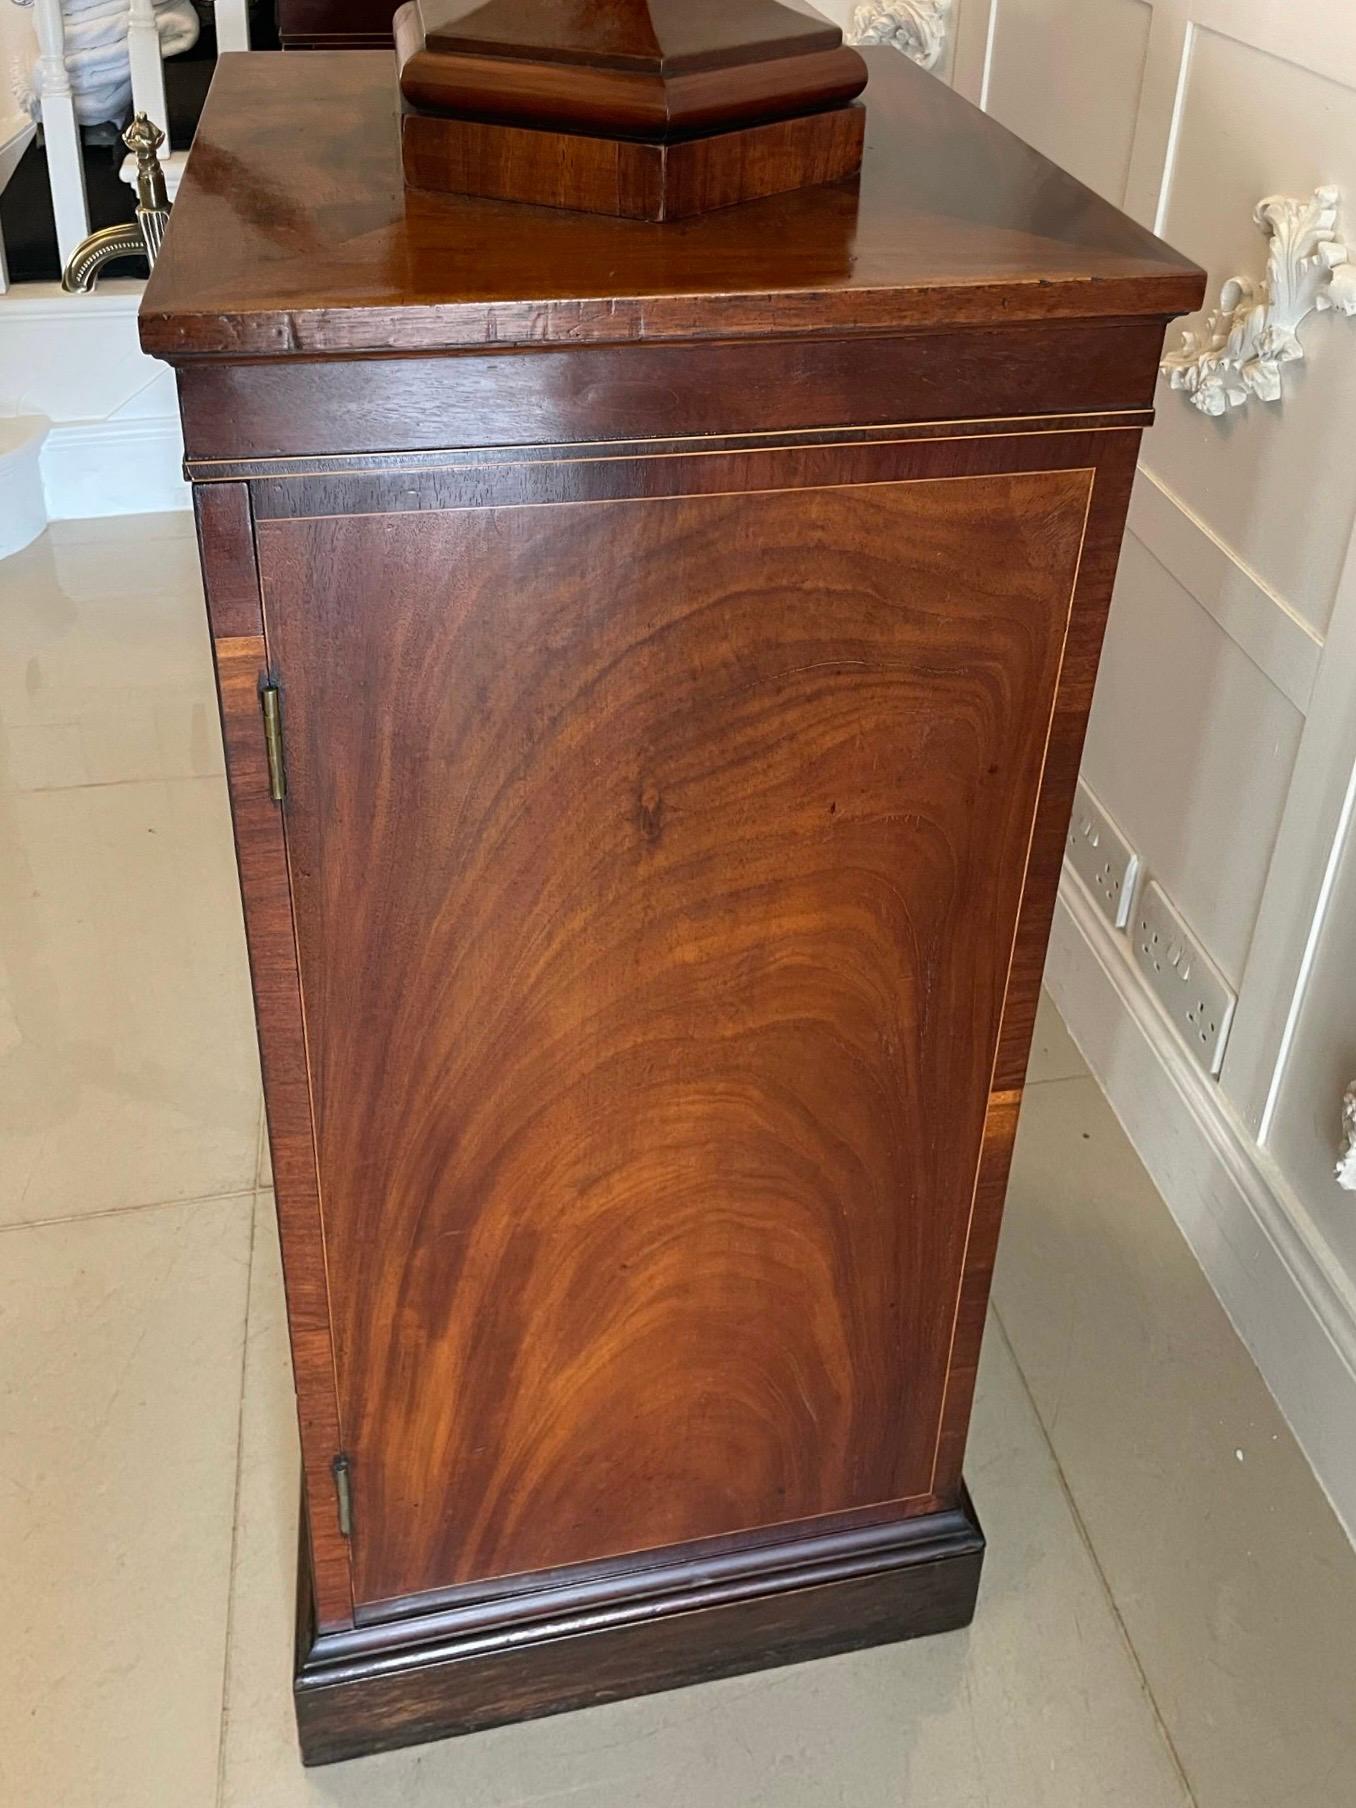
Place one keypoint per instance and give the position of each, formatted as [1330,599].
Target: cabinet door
[655,863]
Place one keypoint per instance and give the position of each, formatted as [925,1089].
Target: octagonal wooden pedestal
[644,109]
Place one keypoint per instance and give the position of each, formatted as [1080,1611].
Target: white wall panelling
[1307,1134]
[972,43]
[1254,123]
[1162,94]
[1190,748]
[1224,733]
[1281,645]
[1066,78]
[1316,828]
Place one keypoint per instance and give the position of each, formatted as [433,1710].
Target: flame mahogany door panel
[656,860]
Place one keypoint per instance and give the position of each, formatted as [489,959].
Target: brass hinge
[270,698]
[343,1488]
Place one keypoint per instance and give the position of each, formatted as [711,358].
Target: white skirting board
[114,445]
[117,467]
[23,510]
[1284,1291]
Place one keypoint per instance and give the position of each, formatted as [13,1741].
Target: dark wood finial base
[644,142]
[630,180]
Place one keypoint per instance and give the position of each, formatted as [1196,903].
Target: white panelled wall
[1223,738]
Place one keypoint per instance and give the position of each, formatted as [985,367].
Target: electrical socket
[1183,978]
[1103,859]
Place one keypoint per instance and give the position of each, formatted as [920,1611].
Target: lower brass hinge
[343,1488]
[270,699]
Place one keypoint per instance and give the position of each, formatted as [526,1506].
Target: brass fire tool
[141,238]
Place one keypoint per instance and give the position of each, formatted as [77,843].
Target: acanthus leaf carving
[917,27]
[1255,329]
[1346,1167]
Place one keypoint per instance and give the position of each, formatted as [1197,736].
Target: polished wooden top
[293,235]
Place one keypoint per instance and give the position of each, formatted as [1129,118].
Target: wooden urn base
[641,109]
[519,1657]
[625,177]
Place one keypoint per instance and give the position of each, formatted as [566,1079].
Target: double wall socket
[1182,977]
[1180,974]
[1103,859]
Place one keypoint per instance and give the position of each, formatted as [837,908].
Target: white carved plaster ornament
[1346,1167]
[1255,329]
[917,27]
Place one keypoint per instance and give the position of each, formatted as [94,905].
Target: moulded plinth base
[462,1669]
[626,177]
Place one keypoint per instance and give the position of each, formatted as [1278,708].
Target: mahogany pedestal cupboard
[654,662]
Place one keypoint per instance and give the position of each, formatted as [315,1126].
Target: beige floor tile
[264,1164]
[1236,1584]
[128,1071]
[1038,1705]
[131,530]
[105,668]
[120,1367]
[1054,1055]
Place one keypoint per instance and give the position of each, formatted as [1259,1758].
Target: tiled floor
[1168,1613]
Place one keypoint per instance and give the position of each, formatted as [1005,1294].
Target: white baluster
[15,135]
[233,24]
[65,170]
[148,68]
